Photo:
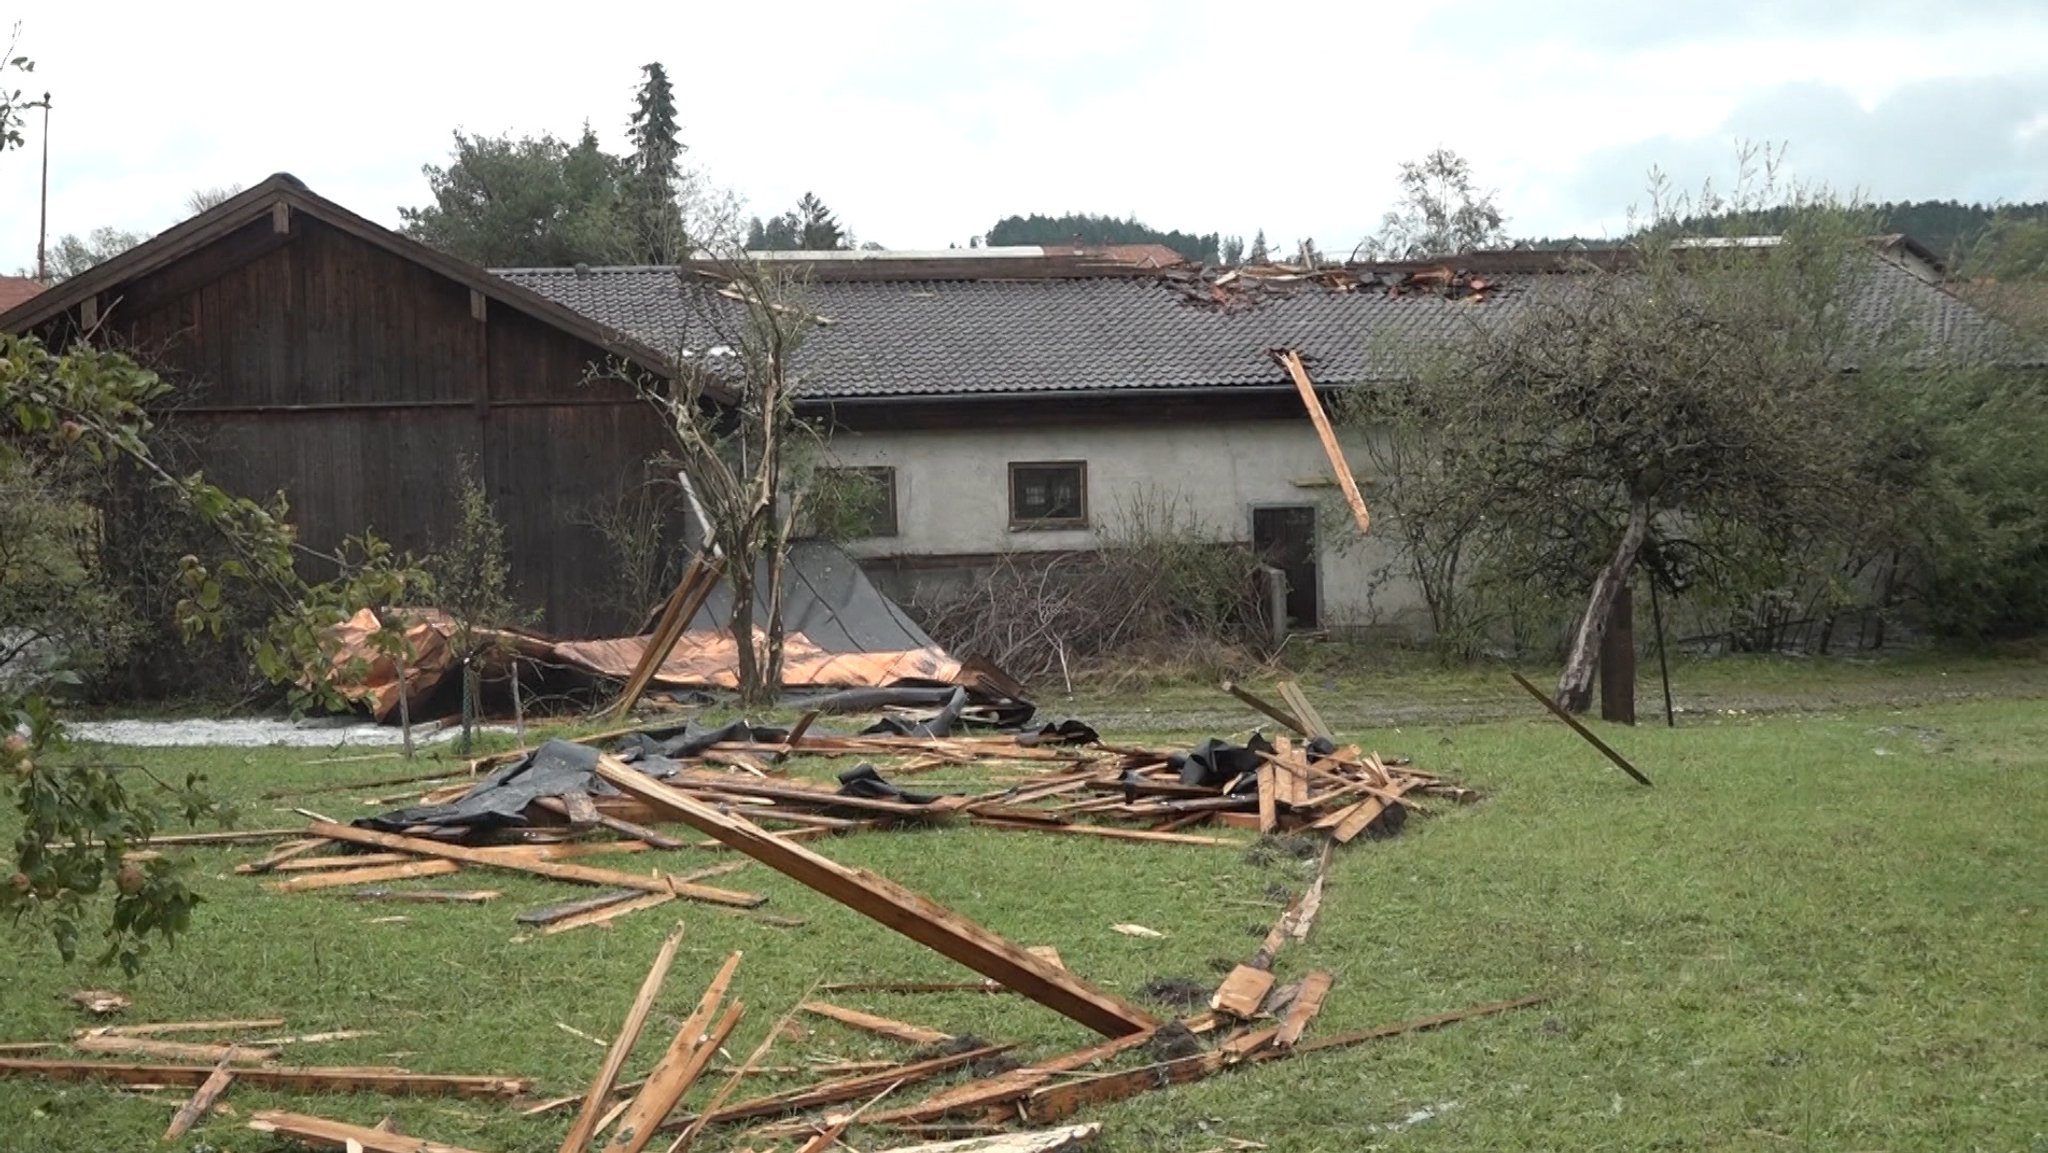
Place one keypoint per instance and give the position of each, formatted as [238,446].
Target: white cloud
[923,122]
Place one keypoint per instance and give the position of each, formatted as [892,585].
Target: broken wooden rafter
[680,1065]
[608,913]
[1291,360]
[896,907]
[370,876]
[171,1050]
[691,591]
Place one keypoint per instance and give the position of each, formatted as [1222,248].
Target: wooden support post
[1663,665]
[479,306]
[898,908]
[1291,360]
[281,218]
[1618,660]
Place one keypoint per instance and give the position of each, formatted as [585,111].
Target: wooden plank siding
[352,379]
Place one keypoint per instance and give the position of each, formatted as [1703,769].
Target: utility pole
[43,222]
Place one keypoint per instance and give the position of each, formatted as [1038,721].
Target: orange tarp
[699,660]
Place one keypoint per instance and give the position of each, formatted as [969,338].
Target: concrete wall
[952,496]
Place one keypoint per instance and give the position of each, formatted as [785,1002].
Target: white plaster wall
[952,495]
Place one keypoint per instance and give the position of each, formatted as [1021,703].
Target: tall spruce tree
[655,168]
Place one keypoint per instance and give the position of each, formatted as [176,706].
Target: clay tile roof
[1091,332]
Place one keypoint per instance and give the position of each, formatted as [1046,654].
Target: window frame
[886,474]
[1061,524]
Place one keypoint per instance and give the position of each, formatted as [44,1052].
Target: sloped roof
[15,289]
[990,336]
[287,190]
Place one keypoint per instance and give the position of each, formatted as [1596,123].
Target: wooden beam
[1058,1102]
[609,913]
[1578,728]
[896,907]
[585,1125]
[89,313]
[281,218]
[579,874]
[479,306]
[321,1133]
[161,1028]
[1291,360]
[305,1078]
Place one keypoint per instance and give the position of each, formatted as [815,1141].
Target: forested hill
[1086,229]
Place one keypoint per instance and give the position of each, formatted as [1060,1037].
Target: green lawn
[1823,929]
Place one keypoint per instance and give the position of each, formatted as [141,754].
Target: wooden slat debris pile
[738,794]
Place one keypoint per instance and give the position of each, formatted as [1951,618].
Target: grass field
[1822,929]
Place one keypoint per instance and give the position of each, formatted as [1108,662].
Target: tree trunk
[1575,684]
[739,575]
[1618,660]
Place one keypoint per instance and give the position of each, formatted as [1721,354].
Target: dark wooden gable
[312,361]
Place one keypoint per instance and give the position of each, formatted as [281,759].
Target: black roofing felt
[1118,333]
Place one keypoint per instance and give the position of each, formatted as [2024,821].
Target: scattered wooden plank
[165,1027]
[613,821]
[565,852]
[201,1100]
[1291,360]
[580,874]
[282,854]
[1580,729]
[883,1026]
[1058,1102]
[732,1081]
[984,1095]
[223,837]
[340,861]
[1418,1025]
[848,1088]
[549,914]
[427,896]
[1042,1141]
[1242,992]
[321,1133]
[585,1124]
[170,1050]
[1307,1003]
[1107,832]
[307,1078]
[370,876]
[896,907]
[666,1086]
[607,914]
[1267,707]
[983,986]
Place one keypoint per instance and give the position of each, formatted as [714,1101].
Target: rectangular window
[856,503]
[1048,494]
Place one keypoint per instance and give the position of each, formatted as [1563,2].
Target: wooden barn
[324,356]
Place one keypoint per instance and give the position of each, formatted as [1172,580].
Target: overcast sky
[923,123]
